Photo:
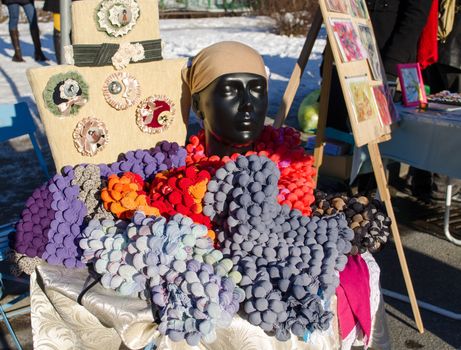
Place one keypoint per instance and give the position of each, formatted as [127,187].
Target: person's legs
[421,181]
[31,15]
[439,186]
[13,13]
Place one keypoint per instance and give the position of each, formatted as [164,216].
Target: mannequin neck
[215,146]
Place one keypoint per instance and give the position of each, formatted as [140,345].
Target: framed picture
[412,84]
[369,43]
[348,41]
[392,87]
[337,6]
[358,8]
[382,102]
[362,99]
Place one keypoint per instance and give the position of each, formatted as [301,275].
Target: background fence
[205,5]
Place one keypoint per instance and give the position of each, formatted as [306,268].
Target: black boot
[17,57]
[57,44]
[38,55]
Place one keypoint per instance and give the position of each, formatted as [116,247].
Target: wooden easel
[329,58]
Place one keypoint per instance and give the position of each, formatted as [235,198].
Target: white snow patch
[182,38]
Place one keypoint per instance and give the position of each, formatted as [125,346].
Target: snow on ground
[182,38]
[19,171]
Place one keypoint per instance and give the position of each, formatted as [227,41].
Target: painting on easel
[359,9]
[368,41]
[339,6]
[361,96]
[366,97]
[348,40]
[382,102]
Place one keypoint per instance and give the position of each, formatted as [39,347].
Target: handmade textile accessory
[21,263]
[65,93]
[53,216]
[124,195]
[117,17]
[127,52]
[366,217]
[155,114]
[121,90]
[222,58]
[90,136]
[280,265]
[114,54]
[186,278]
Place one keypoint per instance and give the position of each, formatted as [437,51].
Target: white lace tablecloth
[65,318]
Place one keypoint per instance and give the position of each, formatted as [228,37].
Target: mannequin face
[233,108]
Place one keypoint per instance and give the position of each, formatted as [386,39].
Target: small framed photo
[359,9]
[411,83]
[392,87]
[337,6]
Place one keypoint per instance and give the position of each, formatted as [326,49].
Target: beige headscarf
[222,58]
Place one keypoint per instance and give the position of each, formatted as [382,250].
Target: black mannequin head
[233,108]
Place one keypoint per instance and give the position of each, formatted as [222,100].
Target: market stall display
[366,217]
[186,236]
[445,97]
[355,58]
[142,251]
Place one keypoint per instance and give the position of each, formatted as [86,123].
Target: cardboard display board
[116,130]
[351,46]
[85,27]
[155,78]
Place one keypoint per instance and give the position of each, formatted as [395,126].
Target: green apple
[308,112]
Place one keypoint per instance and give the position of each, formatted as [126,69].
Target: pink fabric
[353,295]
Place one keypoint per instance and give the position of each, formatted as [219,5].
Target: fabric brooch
[90,136]
[126,53]
[65,93]
[155,114]
[121,90]
[110,54]
[117,17]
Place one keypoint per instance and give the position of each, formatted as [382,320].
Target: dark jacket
[20,2]
[450,50]
[398,25]
[51,6]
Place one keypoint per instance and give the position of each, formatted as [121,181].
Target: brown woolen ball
[363,200]
[338,203]
[354,224]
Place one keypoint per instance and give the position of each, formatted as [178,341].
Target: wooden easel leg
[386,198]
[298,70]
[323,110]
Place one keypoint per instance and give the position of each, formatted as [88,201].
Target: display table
[104,319]
[428,140]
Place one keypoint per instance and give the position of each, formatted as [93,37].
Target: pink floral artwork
[348,40]
[383,104]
